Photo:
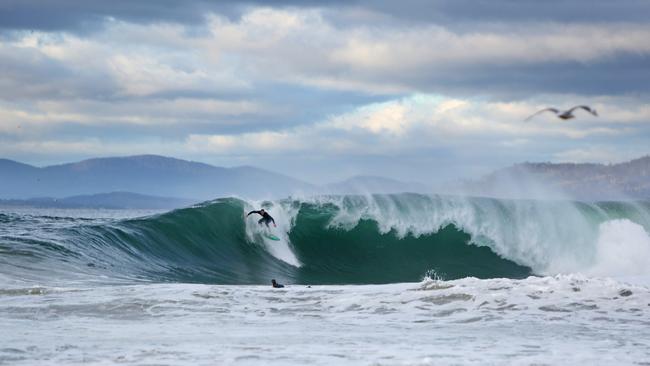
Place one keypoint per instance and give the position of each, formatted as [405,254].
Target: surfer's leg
[261,221]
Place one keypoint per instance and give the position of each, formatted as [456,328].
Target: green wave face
[327,240]
[362,254]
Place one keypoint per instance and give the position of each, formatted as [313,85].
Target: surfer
[266,218]
[276,285]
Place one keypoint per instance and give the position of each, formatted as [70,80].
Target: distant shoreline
[112,200]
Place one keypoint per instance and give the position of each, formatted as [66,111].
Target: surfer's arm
[252,212]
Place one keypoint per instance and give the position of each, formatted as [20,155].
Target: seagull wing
[554,110]
[586,108]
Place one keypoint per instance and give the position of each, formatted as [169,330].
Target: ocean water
[370,280]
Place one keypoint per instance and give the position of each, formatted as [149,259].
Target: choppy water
[518,282]
[549,320]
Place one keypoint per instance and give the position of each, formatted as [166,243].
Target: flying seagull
[568,114]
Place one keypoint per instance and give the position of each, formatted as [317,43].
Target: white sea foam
[284,216]
[623,250]
[567,319]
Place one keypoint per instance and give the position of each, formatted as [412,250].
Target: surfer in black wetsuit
[266,218]
[276,285]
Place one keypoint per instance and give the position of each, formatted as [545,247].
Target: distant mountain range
[151,181]
[588,182]
[145,175]
[113,200]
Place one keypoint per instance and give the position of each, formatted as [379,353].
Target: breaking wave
[335,239]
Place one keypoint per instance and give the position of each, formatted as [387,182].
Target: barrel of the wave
[344,240]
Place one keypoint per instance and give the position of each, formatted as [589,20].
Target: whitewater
[370,279]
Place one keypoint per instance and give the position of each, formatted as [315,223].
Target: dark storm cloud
[624,74]
[82,15]
[513,10]
[79,14]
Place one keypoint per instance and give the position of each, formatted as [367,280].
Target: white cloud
[417,122]
[161,112]
[247,143]
[396,49]
[303,47]
[171,61]
[390,118]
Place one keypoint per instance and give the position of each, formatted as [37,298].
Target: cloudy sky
[323,90]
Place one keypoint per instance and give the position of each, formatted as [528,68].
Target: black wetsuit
[266,218]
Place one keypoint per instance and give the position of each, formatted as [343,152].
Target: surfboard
[272,237]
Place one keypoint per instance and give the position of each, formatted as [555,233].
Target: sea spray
[284,217]
[623,249]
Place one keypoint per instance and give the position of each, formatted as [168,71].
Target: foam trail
[284,216]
